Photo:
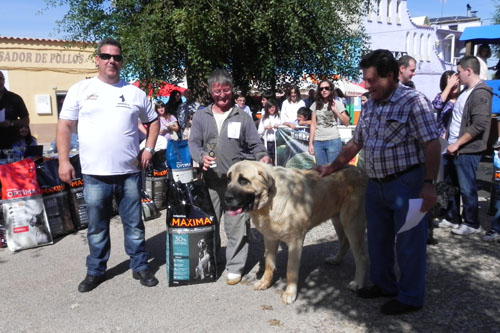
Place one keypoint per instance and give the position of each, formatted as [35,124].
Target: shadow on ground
[462,286]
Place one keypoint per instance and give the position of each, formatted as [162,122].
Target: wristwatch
[149,150]
[430,181]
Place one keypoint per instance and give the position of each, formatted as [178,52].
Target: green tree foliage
[263,42]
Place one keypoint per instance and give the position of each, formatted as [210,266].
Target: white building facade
[390,26]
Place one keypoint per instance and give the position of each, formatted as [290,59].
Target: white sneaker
[233,278]
[465,230]
[491,236]
[444,223]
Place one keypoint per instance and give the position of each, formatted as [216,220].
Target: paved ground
[38,290]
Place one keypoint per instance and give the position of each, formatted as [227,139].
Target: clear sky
[26,18]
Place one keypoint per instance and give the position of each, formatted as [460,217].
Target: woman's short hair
[220,76]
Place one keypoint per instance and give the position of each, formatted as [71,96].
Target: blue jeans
[386,209]
[98,192]
[460,171]
[327,151]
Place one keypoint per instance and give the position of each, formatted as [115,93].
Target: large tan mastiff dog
[286,203]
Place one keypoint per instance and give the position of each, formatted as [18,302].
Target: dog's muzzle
[238,201]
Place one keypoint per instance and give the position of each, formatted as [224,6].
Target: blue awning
[489,34]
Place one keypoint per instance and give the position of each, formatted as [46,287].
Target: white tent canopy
[349,89]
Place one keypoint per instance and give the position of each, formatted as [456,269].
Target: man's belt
[395,175]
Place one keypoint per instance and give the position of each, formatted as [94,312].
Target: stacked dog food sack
[155,180]
[26,223]
[55,197]
[77,204]
[3,240]
[149,210]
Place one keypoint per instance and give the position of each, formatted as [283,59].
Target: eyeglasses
[107,56]
[324,88]
[220,91]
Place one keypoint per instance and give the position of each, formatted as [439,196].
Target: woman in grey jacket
[220,134]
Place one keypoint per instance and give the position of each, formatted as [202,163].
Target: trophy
[211,144]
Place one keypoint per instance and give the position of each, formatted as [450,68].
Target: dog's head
[202,244]
[250,186]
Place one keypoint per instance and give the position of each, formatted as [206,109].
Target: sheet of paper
[233,130]
[2,115]
[444,145]
[414,215]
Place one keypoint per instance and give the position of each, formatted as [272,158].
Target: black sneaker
[373,292]
[395,307]
[146,277]
[90,282]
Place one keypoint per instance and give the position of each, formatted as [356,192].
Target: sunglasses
[324,88]
[107,56]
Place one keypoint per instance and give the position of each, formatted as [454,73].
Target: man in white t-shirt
[107,111]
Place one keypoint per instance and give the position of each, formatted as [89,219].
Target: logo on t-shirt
[123,98]
[92,97]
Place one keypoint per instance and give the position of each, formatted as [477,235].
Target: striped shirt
[393,131]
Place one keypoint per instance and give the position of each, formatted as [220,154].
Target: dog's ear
[270,189]
[269,181]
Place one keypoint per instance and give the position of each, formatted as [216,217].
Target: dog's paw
[288,297]
[353,286]
[261,285]
[333,260]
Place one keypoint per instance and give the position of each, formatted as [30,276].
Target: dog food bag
[179,160]
[155,179]
[77,204]
[149,210]
[26,223]
[3,240]
[191,234]
[55,197]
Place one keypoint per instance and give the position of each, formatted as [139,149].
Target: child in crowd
[240,101]
[187,131]
[168,122]
[303,118]
[24,138]
[268,125]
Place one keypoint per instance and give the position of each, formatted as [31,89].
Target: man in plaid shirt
[402,153]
